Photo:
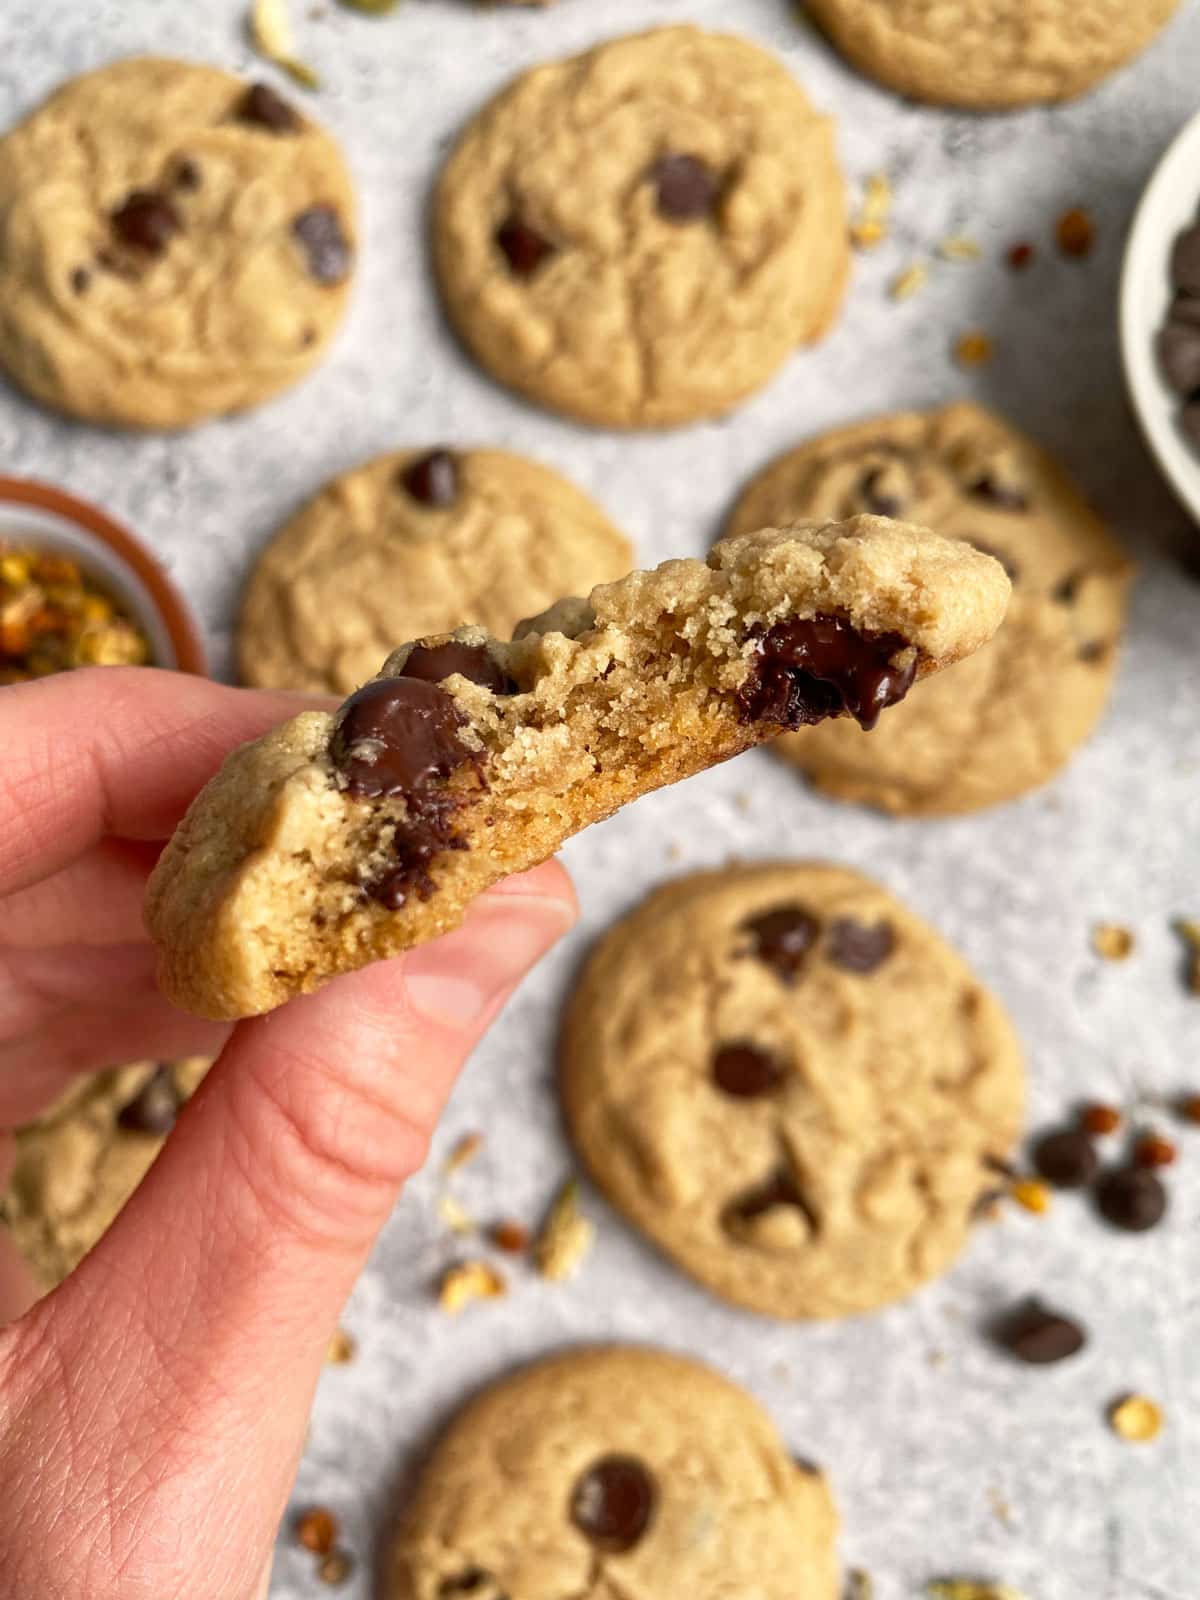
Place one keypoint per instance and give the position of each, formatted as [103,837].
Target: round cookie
[792,1085]
[990,53]
[174,245]
[1008,719]
[81,1160]
[415,543]
[641,235]
[615,1472]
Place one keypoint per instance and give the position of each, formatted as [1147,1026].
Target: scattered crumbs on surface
[566,1236]
[1001,1509]
[336,1567]
[937,1359]
[744,801]
[1020,256]
[1032,1194]
[317,1530]
[270,29]
[971,1589]
[1100,1118]
[467,1282]
[867,233]
[1153,1150]
[859,1585]
[370,8]
[1112,941]
[1188,929]
[974,348]
[909,282]
[1136,1418]
[1075,232]
[456,1218]
[674,851]
[958,247]
[509,1236]
[342,1348]
[467,1148]
[869,227]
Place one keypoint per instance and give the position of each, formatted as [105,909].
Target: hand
[153,1408]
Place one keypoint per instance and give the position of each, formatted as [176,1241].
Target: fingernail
[459,978]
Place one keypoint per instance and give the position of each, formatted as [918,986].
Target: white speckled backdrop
[945,1455]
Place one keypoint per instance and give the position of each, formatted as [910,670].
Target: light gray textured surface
[925,1429]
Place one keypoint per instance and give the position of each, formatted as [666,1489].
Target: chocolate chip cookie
[339,839]
[641,235]
[610,1473]
[415,543]
[792,1085]
[81,1160]
[174,244]
[990,53]
[1007,720]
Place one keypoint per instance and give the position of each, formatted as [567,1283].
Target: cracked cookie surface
[611,1472]
[1008,719]
[417,542]
[990,53]
[640,236]
[792,1085]
[174,244]
[81,1160]
[341,838]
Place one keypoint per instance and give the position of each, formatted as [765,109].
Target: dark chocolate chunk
[432,479]
[875,496]
[327,252]
[687,187]
[808,669]
[428,831]
[524,247]
[1067,1159]
[859,946]
[80,279]
[1131,1198]
[1185,261]
[435,662]
[1006,561]
[1005,496]
[155,1106]
[783,937]
[146,221]
[187,176]
[745,1072]
[269,110]
[613,1502]
[1179,357]
[1036,1335]
[394,735]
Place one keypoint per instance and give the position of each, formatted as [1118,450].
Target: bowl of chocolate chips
[1160,314]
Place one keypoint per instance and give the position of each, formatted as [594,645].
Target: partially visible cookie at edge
[417,542]
[980,55]
[639,236]
[79,1162]
[609,1472]
[792,1085]
[1008,719]
[339,839]
[174,244]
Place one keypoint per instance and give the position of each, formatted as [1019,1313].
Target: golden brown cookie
[792,1085]
[339,839]
[413,543]
[81,1160]
[612,1473]
[174,244]
[641,235]
[990,53]
[1007,720]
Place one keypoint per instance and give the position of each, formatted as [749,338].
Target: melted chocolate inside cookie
[613,1502]
[435,662]
[805,670]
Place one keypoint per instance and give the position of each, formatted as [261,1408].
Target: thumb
[193,1334]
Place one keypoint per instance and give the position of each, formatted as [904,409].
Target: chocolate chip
[1131,1198]
[428,832]
[326,248]
[80,279]
[1035,1334]
[1185,261]
[687,188]
[262,105]
[1005,496]
[874,495]
[859,946]
[745,1072]
[432,479]
[1093,650]
[1068,1159]
[1066,590]
[155,1106]
[436,662]
[187,176]
[783,937]
[146,221]
[810,669]
[524,247]
[1179,356]
[613,1502]
[1006,561]
[396,734]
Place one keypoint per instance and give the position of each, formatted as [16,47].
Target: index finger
[113,751]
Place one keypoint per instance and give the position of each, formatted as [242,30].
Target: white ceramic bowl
[1170,203]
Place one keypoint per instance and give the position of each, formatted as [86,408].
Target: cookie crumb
[974,348]
[467,1148]
[1032,1194]
[342,1348]
[971,1589]
[270,29]
[865,235]
[1020,256]
[1100,1118]
[859,1585]
[1153,1150]
[467,1282]
[1112,942]
[1188,1107]
[909,282]
[958,247]
[317,1530]
[336,1567]
[1188,929]
[1075,232]
[869,228]
[1135,1418]
[511,1237]
[456,1218]
[566,1236]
